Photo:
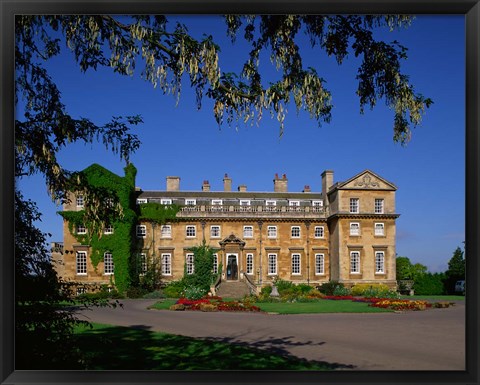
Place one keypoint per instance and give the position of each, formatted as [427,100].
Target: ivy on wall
[119,193]
[158,213]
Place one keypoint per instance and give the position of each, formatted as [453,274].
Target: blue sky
[182,141]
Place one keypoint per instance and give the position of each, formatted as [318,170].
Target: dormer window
[294,205]
[141,201]
[165,201]
[317,206]
[270,205]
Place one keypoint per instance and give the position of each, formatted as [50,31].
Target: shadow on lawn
[137,348]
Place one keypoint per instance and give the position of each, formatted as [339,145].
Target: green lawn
[108,347]
[321,306]
[435,297]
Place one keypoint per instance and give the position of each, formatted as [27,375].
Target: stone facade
[345,233]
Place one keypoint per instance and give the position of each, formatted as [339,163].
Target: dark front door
[232,268]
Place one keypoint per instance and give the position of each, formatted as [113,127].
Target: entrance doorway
[232,267]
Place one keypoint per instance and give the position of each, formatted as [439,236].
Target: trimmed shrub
[429,284]
[194,292]
[371,288]
[341,291]
[328,288]
[173,289]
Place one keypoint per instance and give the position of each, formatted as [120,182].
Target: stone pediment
[367,180]
[232,239]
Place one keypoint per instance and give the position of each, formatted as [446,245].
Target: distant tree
[430,284]
[456,270]
[404,269]
[408,271]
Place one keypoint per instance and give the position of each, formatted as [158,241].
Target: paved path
[423,340]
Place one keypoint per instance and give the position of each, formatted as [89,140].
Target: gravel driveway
[417,340]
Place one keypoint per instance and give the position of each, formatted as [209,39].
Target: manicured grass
[321,306]
[163,304]
[108,347]
[435,297]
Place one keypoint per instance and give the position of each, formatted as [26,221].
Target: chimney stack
[280,185]
[205,186]
[227,183]
[242,188]
[327,182]
[306,189]
[173,183]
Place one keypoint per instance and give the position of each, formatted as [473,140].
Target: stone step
[233,289]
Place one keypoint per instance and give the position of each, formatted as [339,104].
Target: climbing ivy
[158,213]
[118,194]
[203,275]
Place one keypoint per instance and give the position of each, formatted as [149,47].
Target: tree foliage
[456,270]
[408,271]
[203,275]
[43,329]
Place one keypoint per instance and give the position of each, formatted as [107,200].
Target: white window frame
[355,262]
[294,205]
[249,264]
[141,231]
[245,205]
[295,232]
[379,262]
[216,204]
[141,201]
[379,229]
[190,202]
[212,235]
[80,229]
[190,263]
[108,266]
[215,263]
[166,231]
[108,229]
[319,232]
[165,201]
[272,264]
[81,263]
[354,205]
[319,264]
[143,263]
[272,232]
[166,260]
[270,205]
[296,264]
[317,206]
[379,205]
[80,202]
[247,234]
[190,227]
[354,232]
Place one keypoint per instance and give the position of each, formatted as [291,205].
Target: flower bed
[401,304]
[385,303]
[216,304]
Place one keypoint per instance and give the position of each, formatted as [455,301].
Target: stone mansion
[344,233]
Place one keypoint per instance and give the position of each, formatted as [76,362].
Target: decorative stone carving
[367,182]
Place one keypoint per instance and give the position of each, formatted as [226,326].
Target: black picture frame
[471,10]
